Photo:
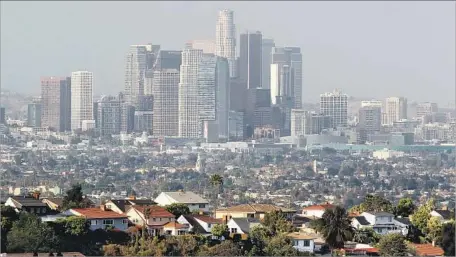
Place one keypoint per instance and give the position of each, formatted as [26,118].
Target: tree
[366,236]
[405,207]
[392,245]
[74,198]
[226,248]
[217,182]
[434,229]
[421,216]
[280,245]
[276,223]
[219,230]
[448,239]
[178,209]
[9,216]
[375,203]
[336,227]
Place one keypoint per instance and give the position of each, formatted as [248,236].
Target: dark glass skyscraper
[250,59]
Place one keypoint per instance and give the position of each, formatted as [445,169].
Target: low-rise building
[100,218]
[302,242]
[192,200]
[254,210]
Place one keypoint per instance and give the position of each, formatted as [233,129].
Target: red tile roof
[96,213]
[428,250]
[319,207]
[176,225]
[208,219]
[155,211]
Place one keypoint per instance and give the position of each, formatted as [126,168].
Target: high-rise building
[81,98]
[236,125]
[266,61]
[55,103]
[370,121]
[395,109]
[135,69]
[258,111]
[250,59]
[423,109]
[238,93]
[372,103]
[208,46]
[108,117]
[335,104]
[144,114]
[166,104]
[222,76]
[166,59]
[34,115]
[188,94]
[300,122]
[2,115]
[225,39]
[286,76]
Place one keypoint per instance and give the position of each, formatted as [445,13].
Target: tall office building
[258,111]
[223,96]
[395,109]
[335,104]
[2,115]
[34,115]
[55,103]
[370,119]
[300,122]
[81,98]
[286,76]
[423,109]
[135,69]
[238,93]
[165,59]
[143,120]
[108,115]
[250,59]
[208,46]
[188,94]
[266,61]
[166,104]
[225,39]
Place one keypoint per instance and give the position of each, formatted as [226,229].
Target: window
[250,215]
[209,225]
[295,242]
[306,243]
[159,219]
[154,219]
[390,219]
[108,207]
[44,210]
[125,221]
[38,210]
[234,230]
[108,222]
[168,232]
[32,210]
[202,206]
[180,232]
[93,222]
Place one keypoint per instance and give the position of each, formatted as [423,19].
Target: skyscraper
[188,94]
[395,109]
[370,120]
[55,102]
[266,60]
[81,98]
[423,109]
[65,104]
[208,46]
[34,115]
[250,59]
[225,39]
[135,69]
[335,104]
[166,104]
[300,122]
[144,114]
[108,118]
[286,76]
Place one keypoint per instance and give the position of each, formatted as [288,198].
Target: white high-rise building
[188,94]
[225,39]
[395,109]
[81,98]
[135,68]
[335,104]
[300,122]
[208,46]
[266,60]
[166,95]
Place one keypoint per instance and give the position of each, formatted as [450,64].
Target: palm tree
[335,225]
[217,182]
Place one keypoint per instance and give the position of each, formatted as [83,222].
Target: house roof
[381,213]
[185,197]
[362,220]
[27,201]
[245,223]
[196,227]
[175,225]
[405,221]
[303,236]
[96,213]
[321,207]
[428,250]
[208,219]
[255,208]
[446,214]
[55,200]
[155,211]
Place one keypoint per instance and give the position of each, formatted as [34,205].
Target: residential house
[199,223]
[427,250]
[122,205]
[303,242]
[30,204]
[156,218]
[242,225]
[176,229]
[443,215]
[53,203]
[380,222]
[192,200]
[316,210]
[100,218]
[254,210]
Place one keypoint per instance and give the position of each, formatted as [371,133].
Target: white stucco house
[242,225]
[192,200]
[199,223]
[381,222]
[316,210]
[100,218]
[303,242]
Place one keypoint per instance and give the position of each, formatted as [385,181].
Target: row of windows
[105,222]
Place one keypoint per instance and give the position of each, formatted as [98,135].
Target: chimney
[103,207]
[36,195]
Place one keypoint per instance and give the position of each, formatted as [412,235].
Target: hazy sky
[376,49]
